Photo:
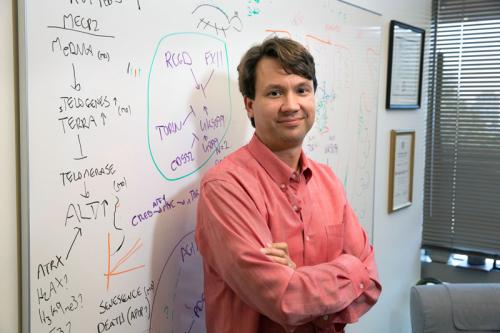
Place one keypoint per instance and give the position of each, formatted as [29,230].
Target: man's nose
[290,103]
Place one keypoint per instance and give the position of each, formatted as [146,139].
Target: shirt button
[325,317]
[283,187]
[308,238]
[361,285]
[296,208]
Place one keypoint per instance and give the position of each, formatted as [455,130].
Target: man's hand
[278,253]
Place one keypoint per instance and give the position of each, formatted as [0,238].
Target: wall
[9,237]
[396,236]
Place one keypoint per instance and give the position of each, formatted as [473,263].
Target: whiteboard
[125,105]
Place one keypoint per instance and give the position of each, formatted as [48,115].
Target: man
[282,249]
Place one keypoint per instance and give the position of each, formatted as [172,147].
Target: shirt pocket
[334,240]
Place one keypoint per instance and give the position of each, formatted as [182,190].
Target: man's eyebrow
[274,86]
[304,82]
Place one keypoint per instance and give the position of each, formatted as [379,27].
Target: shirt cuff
[356,272]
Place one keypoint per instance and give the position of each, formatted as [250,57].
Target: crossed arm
[235,241]
[278,253]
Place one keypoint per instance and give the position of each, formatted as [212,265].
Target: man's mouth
[290,121]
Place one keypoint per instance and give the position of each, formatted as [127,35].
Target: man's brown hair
[293,57]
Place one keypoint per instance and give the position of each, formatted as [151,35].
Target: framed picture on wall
[404,70]
[401,169]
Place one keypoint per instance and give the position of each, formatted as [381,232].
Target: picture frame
[402,156]
[404,69]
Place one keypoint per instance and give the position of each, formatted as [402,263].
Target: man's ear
[249,106]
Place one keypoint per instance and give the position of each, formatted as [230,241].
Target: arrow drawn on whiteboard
[78,233]
[201,85]
[190,113]
[138,5]
[103,116]
[119,247]
[195,138]
[76,86]
[81,150]
[87,193]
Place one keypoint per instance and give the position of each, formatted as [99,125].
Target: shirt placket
[297,185]
[293,195]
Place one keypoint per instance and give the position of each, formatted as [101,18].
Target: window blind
[462,172]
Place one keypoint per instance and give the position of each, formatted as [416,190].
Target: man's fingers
[282,246]
[278,253]
[279,260]
[273,251]
[283,261]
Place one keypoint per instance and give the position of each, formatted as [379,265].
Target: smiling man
[282,248]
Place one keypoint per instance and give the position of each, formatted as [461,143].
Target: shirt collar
[278,170]
[304,162]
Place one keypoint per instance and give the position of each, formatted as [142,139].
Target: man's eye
[274,93]
[303,90]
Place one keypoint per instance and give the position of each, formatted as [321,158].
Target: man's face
[283,108]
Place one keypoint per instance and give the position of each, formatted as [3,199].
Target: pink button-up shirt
[252,199]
